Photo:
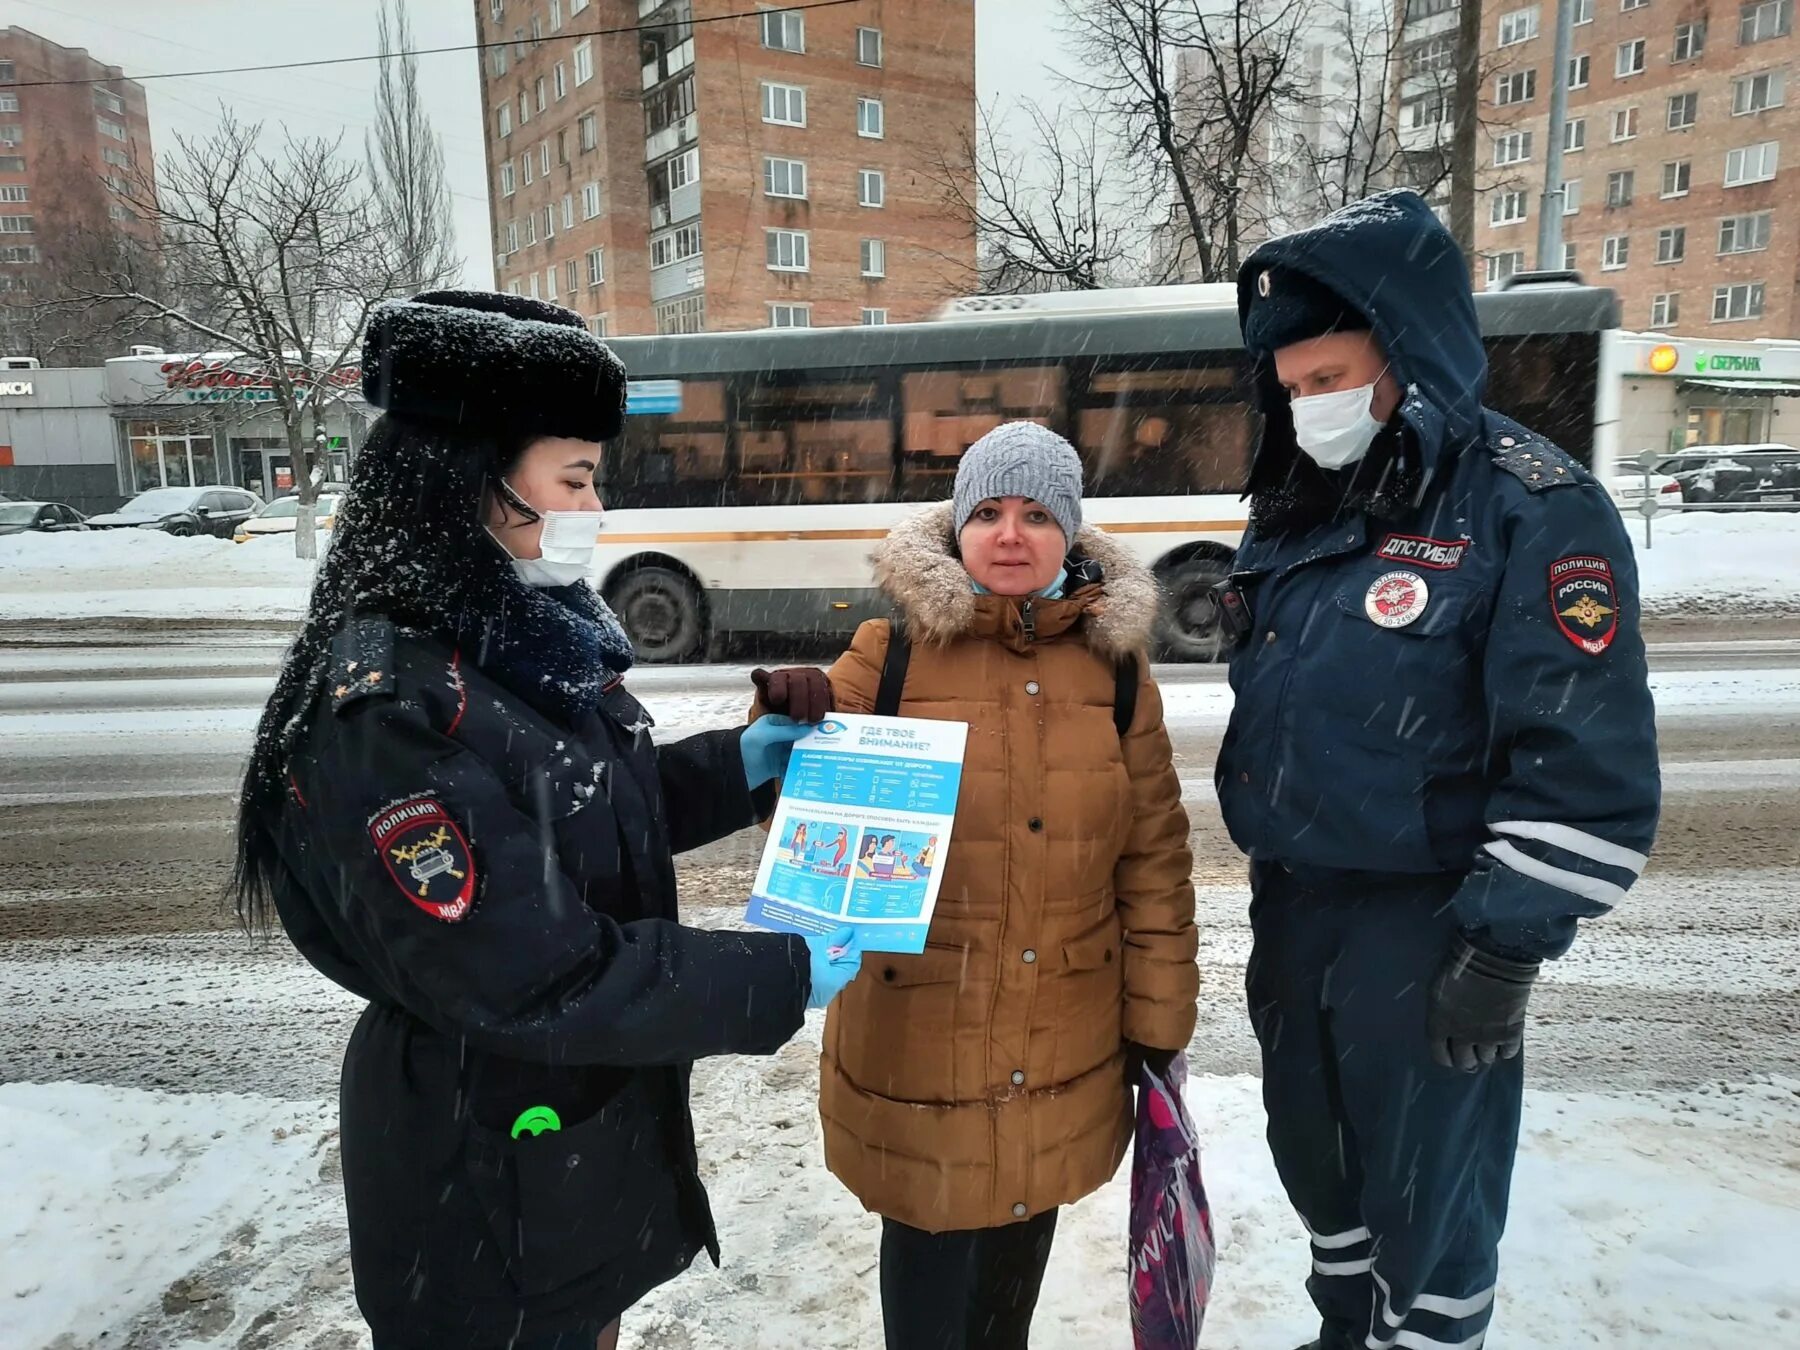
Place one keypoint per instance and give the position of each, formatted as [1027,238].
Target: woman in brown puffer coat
[969,1091]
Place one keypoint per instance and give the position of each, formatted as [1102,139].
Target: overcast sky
[1014,48]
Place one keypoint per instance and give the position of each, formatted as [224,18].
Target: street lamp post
[1550,209]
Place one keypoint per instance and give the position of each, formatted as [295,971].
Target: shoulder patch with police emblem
[427,855]
[1584,601]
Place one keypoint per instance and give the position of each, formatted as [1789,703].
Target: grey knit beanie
[1021,459]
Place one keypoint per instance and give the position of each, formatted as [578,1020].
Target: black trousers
[969,1290]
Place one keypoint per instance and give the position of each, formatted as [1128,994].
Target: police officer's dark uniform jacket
[487,861]
[1442,729]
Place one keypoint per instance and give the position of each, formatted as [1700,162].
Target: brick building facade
[1680,157]
[776,170]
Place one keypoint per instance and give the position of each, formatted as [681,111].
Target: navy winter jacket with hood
[1445,672]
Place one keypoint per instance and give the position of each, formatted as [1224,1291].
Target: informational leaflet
[861,830]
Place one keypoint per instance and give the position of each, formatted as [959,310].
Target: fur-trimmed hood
[917,568]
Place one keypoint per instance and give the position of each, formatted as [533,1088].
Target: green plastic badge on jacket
[536,1119]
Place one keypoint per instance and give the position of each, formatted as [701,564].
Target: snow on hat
[492,362]
[1021,459]
[1291,307]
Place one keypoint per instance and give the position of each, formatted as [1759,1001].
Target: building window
[576,7]
[1500,266]
[784,105]
[496,10]
[874,258]
[869,119]
[1571,204]
[590,200]
[531,228]
[550,282]
[1512,148]
[1427,110]
[1631,57]
[497,59]
[1584,11]
[556,16]
[531,286]
[599,325]
[596,266]
[560,77]
[584,62]
[1690,40]
[543,159]
[1671,244]
[513,288]
[590,131]
[673,246]
[784,177]
[10,103]
[1743,301]
[871,187]
[1615,253]
[524,108]
[669,105]
[568,210]
[786,250]
[542,90]
[18,253]
[784,31]
[790,316]
[562,146]
[1619,187]
[503,118]
[1519,26]
[686,315]
[1758,93]
[1665,310]
[1508,208]
[571,276]
[549,222]
[1625,124]
[17,225]
[1745,234]
[508,179]
[15,192]
[1678,177]
[512,236]
[112,129]
[684,169]
[1633,4]
[1428,55]
[1684,111]
[1764,19]
[11,135]
[529,168]
[874,318]
[1574,135]
[1518,87]
[1752,164]
[868,46]
[1580,68]
[1568,257]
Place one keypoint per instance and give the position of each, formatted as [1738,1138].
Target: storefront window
[170,456]
[1724,426]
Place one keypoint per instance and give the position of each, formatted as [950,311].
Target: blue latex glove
[766,745]
[835,962]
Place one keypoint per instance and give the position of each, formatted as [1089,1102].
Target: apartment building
[661,168]
[1678,124]
[67,151]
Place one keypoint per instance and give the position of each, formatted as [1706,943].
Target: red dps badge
[1584,602]
[1396,599]
[427,856]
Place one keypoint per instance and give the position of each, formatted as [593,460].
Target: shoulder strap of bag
[893,669]
[1125,692]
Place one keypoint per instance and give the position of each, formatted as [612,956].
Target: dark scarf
[559,647]
[1386,483]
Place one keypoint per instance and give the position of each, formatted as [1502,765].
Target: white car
[282,516]
[1627,488]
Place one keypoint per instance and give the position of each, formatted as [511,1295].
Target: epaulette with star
[1535,462]
[362,662]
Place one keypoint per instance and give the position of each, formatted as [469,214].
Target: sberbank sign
[1741,365]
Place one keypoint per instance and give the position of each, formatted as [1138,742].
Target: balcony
[648,7]
[1430,136]
[677,279]
[669,65]
[684,131]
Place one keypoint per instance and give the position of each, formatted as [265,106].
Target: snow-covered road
[1663,1136]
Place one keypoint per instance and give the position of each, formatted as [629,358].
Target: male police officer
[1442,755]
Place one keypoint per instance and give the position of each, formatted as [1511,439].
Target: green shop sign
[1740,365]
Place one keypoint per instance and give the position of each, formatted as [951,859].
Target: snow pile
[119,574]
[1664,1219]
[1702,563]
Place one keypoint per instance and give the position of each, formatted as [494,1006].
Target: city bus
[758,469]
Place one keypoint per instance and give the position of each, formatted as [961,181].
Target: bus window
[1145,433]
[947,411]
[672,459]
[816,442]
[1550,383]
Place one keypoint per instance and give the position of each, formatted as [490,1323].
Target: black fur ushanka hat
[492,362]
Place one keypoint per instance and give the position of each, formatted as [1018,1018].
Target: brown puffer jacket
[983,1081]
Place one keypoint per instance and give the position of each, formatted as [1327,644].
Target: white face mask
[1336,429]
[566,545]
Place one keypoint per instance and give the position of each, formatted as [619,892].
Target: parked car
[45,517]
[282,516]
[1767,474]
[183,511]
[1627,488]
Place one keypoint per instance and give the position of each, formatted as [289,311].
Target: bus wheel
[1187,623]
[661,611]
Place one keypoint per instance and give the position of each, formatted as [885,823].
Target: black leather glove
[801,692]
[1477,1010]
[1141,1057]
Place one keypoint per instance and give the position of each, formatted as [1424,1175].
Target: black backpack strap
[893,669]
[1125,692]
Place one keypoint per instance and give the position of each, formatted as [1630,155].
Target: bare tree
[1466,124]
[406,161]
[1041,216]
[1190,88]
[275,259]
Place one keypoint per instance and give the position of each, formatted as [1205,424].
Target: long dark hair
[409,544]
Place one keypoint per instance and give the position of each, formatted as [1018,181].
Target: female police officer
[458,813]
